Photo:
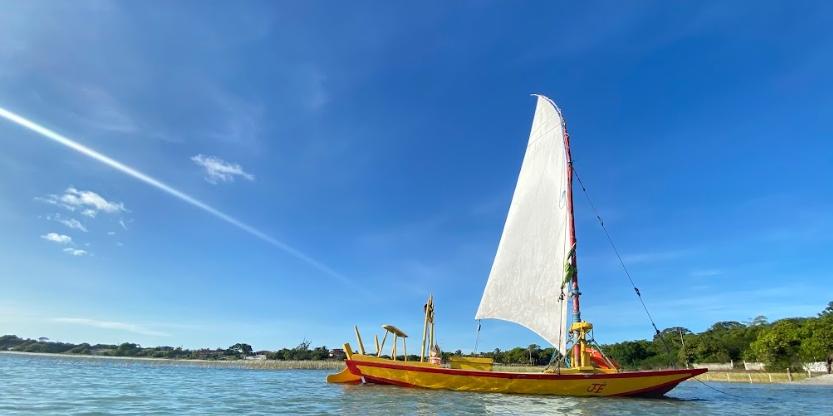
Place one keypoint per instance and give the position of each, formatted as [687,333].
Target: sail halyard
[532,277]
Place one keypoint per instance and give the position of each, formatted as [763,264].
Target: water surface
[41,385]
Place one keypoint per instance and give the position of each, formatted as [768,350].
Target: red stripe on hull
[655,391]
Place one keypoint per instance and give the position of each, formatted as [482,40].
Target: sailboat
[533,279]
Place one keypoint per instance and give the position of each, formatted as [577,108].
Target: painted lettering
[596,387]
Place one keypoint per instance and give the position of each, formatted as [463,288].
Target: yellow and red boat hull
[423,375]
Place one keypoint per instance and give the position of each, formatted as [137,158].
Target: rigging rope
[618,256]
[715,388]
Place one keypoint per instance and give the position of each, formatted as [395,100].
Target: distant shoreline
[248,364]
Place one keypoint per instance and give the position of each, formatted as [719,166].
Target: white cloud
[88,202]
[92,200]
[121,326]
[69,222]
[75,251]
[74,224]
[57,238]
[218,170]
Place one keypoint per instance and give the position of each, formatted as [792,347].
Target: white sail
[525,284]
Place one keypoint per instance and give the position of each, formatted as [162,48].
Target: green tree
[817,339]
[778,346]
[827,312]
[240,349]
[630,354]
[758,320]
[83,348]
[127,349]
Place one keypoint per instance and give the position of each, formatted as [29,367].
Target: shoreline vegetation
[782,346]
[247,364]
[786,344]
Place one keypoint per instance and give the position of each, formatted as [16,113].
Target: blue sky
[382,142]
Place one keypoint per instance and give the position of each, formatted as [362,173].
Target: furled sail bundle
[526,283]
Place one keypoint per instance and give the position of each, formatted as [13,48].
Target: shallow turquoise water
[66,385]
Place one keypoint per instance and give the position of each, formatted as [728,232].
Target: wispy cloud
[313,80]
[101,111]
[69,222]
[57,238]
[74,224]
[88,203]
[121,326]
[218,170]
[235,120]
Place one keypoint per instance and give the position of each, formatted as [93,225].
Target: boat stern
[346,376]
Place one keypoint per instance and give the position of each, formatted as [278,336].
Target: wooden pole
[393,350]
[576,293]
[432,323]
[432,335]
[359,338]
[384,338]
[424,330]
[376,341]
[579,347]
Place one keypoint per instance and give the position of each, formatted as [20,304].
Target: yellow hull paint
[423,375]
[344,377]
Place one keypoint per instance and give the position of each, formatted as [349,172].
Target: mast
[578,347]
[573,262]
[581,358]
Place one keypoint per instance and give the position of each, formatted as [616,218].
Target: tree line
[786,343]
[127,349]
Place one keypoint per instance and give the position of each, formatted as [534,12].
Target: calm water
[65,385]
